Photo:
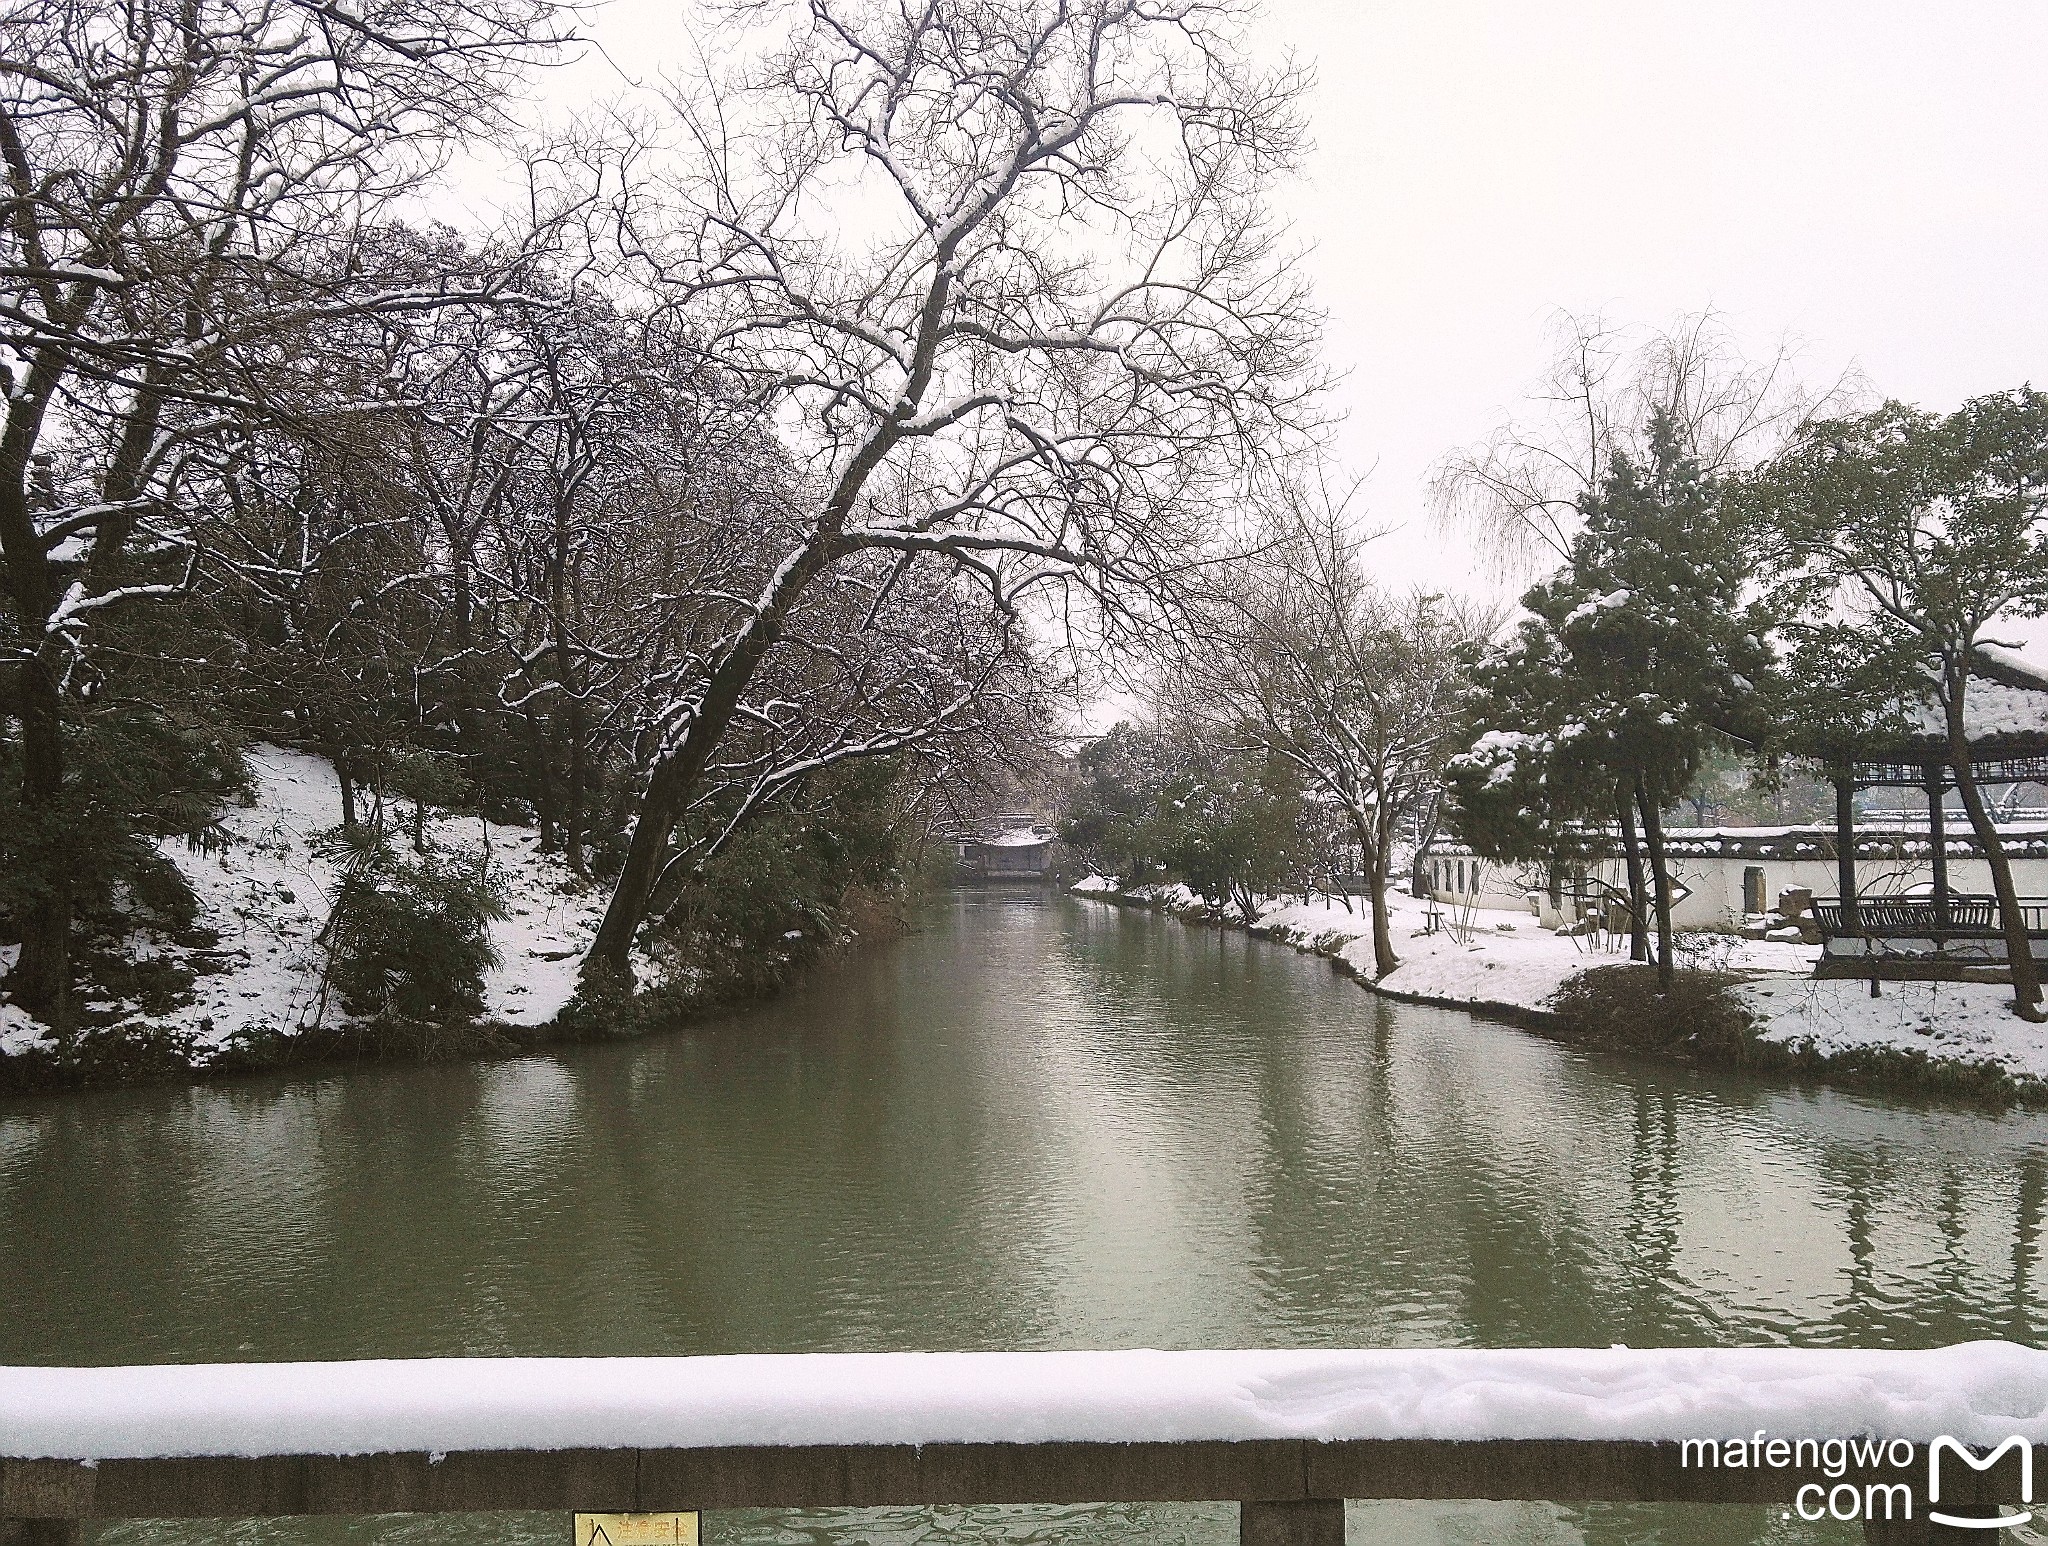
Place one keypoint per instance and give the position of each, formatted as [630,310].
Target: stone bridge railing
[245,1441]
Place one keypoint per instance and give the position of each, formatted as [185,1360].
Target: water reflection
[1037,1123]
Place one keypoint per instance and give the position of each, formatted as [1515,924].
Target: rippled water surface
[1035,1123]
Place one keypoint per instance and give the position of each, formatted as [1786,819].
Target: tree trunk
[1375,853]
[674,775]
[2019,950]
[1638,891]
[1660,884]
[41,979]
[345,775]
[543,782]
[572,805]
[1383,958]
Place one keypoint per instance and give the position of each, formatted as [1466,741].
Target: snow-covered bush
[1624,1007]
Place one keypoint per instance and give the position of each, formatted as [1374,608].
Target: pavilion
[2006,720]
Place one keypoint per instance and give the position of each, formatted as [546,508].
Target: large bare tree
[183,181]
[1360,689]
[1003,277]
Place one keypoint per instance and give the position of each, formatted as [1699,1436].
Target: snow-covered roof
[2005,710]
[1979,1392]
[2009,665]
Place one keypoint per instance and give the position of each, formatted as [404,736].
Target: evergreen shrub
[408,941]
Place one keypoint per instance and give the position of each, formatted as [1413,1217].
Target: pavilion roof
[2005,714]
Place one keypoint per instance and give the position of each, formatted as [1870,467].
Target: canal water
[1035,1122]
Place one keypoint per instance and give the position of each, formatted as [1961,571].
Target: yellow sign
[636,1529]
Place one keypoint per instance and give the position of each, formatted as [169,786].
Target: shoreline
[654,1009]
[1736,996]
[242,989]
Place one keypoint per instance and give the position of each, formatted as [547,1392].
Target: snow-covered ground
[267,895]
[1497,957]
[1978,1392]
[1955,1022]
[1507,961]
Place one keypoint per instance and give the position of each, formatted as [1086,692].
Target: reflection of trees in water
[1655,1219]
[2026,1241]
[1893,1297]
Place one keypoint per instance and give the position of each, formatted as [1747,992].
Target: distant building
[1724,875]
[1887,894]
[1015,847]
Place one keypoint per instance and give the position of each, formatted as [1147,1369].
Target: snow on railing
[1978,1392]
[1274,1430]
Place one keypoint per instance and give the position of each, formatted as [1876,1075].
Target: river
[1035,1122]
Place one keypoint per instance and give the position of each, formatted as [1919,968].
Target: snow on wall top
[1978,1392]
[1877,837]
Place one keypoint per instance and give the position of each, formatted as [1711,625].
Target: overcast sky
[1865,177]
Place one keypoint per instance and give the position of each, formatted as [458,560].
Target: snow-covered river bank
[264,896]
[1503,963]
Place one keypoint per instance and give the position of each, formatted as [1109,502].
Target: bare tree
[1359,689]
[1004,279]
[1518,491]
[182,182]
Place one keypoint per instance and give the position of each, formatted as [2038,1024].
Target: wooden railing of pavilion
[1957,917]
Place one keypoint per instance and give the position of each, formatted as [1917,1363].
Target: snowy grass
[1969,1024]
[1507,959]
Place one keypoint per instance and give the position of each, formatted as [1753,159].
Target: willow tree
[1519,492]
[1005,281]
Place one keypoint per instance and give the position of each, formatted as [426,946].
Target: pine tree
[1647,650]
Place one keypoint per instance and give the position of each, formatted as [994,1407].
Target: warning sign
[636,1529]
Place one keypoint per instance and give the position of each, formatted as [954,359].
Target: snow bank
[267,895]
[1507,961]
[20,1031]
[268,892]
[1979,1392]
[1959,1022]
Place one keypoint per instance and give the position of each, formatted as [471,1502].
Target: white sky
[1867,177]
